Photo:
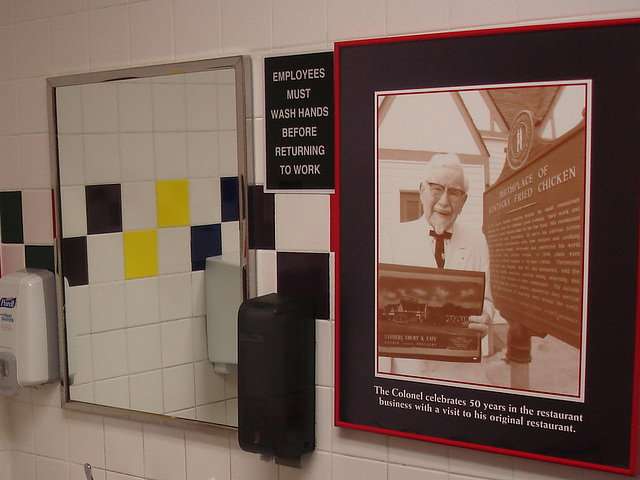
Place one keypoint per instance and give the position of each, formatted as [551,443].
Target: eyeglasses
[438,190]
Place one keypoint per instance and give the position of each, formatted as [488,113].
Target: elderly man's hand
[481,323]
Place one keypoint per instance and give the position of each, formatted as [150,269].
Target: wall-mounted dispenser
[223,287]
[28,330]
[276,377]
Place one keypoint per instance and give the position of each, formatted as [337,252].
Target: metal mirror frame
[241,65]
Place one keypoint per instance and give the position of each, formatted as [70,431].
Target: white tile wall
[40,38]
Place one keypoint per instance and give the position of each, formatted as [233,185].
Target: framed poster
[486,224]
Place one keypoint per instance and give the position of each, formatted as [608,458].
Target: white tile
[198,300]
[174,250]
[178,388]
[78,309]
[139,210]
[202,154]
[302,222]
[175,296]
[525,469]
[69,109]
[142,301]
[70,43]
[227,119]
[231,238]
[466,461]
[204,201]
[358,443]
[209,384]
[35,161]
[324,418]
[315,467]
[370,15]
[346,468]
[83,393]
[9,119]
[109,37]
[32,110]
[202,105]
[109,353]
[403,472]
[47,395]
[170,155]
[546,9]
[105,257]
[102,158]
[65,7]
[207,455]
[124,446]
[417,16]
[31,10]
[266,272]
[24,465]
[164,449]
[197,28]
[5,464]
[51,469]
[418,454]
[37,217]
[100,108]
[113,392]
[12,258]
[177,342]
[74,211]
[135,107]
[151,31]
[10,177]
[21,424]
[86,439]
[199,327]
[324,353]
[137,161]
[81,369]
[309,17]
[107,302]
[246,26]
[227,158]
[213,413]
[146,392]
[169,107]
[144,348]
[467,13]
[32,48]
[50,432]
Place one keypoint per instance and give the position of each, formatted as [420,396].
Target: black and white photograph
[509,158]
[492,181]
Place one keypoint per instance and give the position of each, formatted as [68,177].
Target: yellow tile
[173,203]
[140,254]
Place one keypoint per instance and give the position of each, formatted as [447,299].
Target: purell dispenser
[28,330]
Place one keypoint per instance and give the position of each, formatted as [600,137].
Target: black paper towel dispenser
[276,377]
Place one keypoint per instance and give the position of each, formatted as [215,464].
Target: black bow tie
[439,251]
[443,235]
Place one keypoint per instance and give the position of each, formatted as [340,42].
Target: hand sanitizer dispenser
[28,330]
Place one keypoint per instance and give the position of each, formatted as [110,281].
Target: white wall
[40,38]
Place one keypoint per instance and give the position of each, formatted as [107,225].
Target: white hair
[447,160]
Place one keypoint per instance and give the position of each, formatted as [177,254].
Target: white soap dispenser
[28,330]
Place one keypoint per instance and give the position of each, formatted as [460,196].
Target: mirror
[150,168]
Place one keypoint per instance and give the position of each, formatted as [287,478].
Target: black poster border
[608,54]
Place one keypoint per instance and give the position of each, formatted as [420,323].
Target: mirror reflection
[151,170]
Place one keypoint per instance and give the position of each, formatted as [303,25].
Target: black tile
[307,275]
[262,229]
[206,241]
[104,209]
[39,256]
[11,217]
[229,198]
[75,266]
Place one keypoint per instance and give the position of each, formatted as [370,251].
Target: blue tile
[104,208]
[229,197]
[11,217]
[306,275]
[206,241]
[262,226]
[75,266]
